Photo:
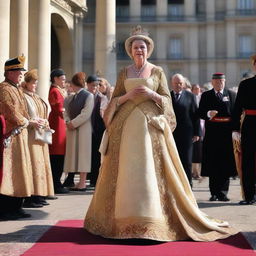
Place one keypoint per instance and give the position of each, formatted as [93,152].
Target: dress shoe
[245,202]
[43,202]
[32,205]
[68,184]
[213,198]
[78,189]
[61,190]
[223,198]
[51,197]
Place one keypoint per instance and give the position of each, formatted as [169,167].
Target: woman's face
[102,87]
[60,81]
[31,86]
[139,50]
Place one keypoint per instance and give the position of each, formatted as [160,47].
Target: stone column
[4,34]
[210,38]
[135,8]
[231,7]
[194,53]
[231,65]
[44,48]
[161,10]
[19,29]
[190,9]
[105,36]
[162,45]
[210,9]
[79,42]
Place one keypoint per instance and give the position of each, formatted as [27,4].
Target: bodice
[132,83]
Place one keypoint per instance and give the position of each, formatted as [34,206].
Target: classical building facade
[192,37]
[48,32]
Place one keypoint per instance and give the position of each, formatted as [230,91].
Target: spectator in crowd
[246,105]
[218,161]
[197,145]
[17,181]
[105,88]
[188,85]
[188,124]
[57,149]
[142,190]
[39,152]
[98,127]
[78,111]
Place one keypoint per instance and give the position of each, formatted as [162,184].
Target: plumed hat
[31,75]
[218,76]
[79,79]
[92,78]
[15,64]
[139,34]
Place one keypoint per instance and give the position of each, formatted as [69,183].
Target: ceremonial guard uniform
[218,161]
[17,181]
[246,104]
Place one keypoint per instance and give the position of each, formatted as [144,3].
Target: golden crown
[138,30]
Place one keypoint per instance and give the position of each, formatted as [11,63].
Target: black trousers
[96,157]
[218,185]
[57,165]
[249,166]
[185,150]
[9,204]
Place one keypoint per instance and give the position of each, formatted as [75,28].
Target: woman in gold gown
[142,190]
[39,152]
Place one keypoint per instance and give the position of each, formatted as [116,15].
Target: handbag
[44,135]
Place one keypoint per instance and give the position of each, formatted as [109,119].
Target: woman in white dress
[142,190]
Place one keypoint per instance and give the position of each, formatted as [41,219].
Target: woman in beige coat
[78,110]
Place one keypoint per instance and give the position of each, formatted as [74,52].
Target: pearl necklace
[138,71]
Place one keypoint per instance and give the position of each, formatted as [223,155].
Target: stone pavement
[17,236]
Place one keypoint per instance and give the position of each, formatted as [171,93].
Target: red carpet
[67,238]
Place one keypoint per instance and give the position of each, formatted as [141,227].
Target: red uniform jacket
[56,121]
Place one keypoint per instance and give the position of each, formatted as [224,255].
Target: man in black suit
[218,161]
[188,125]
[246,104]
[98,126]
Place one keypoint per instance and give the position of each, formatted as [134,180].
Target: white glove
[236,136]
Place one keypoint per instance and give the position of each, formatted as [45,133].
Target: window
[245,46]
[245,4]
[175,48]
[148,8]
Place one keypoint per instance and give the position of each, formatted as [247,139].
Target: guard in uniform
[218,161]
[17,181]
[245,105]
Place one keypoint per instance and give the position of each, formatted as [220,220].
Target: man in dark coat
[218,161]
[98,126]
[188,125]
[246,103]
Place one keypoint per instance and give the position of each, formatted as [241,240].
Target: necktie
[219,95]
[176,95]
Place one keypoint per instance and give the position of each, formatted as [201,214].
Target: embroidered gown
[142,190]
[39,151]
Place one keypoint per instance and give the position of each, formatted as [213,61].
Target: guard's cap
[218,76]
[15,64]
